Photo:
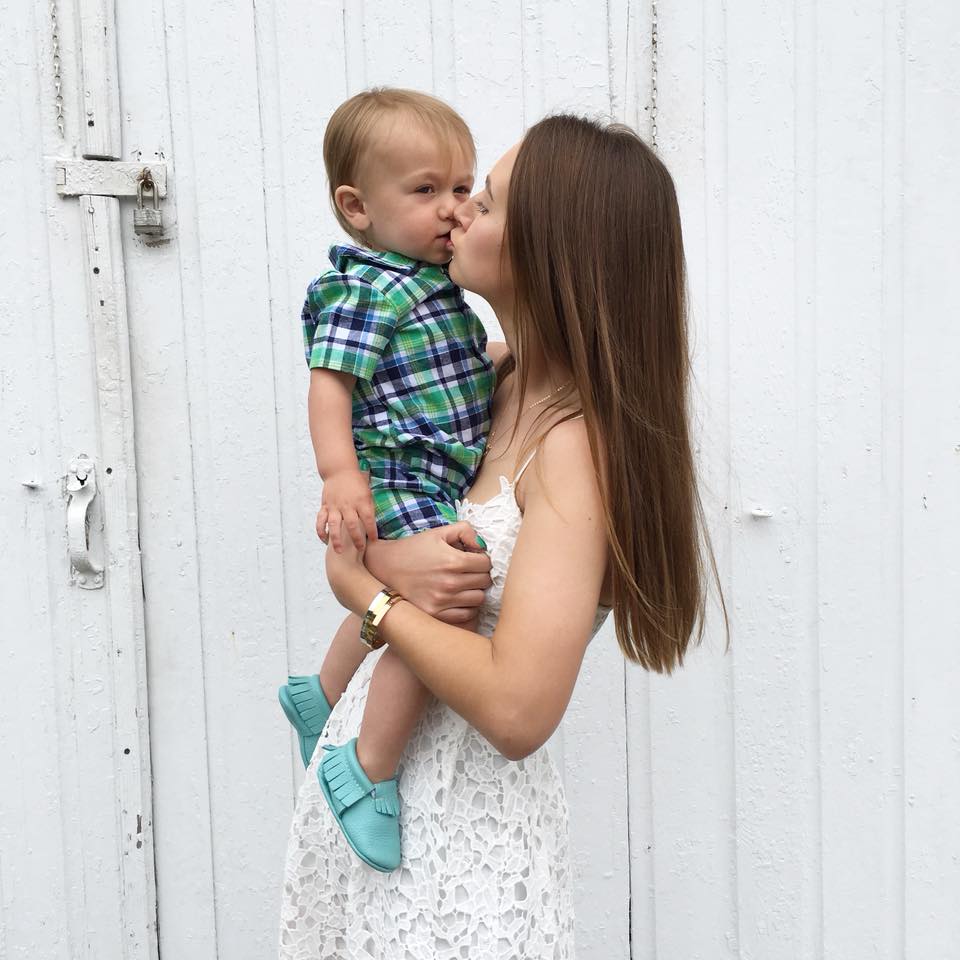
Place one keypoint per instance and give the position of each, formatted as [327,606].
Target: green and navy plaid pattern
[421,405]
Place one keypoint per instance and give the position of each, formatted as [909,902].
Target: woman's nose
[463,215]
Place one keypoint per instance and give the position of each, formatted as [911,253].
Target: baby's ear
[350,203]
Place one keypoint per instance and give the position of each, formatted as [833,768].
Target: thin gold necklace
[536,403]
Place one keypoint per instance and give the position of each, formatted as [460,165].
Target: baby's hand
[346,501]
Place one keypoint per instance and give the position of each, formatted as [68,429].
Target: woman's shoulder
[569,462]
[568,444]
[565,467]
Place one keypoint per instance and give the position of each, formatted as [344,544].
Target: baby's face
[409,188]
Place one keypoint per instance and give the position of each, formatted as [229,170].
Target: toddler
[399,399]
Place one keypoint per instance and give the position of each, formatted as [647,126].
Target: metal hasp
[81,490]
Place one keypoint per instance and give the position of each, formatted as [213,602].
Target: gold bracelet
[377,610]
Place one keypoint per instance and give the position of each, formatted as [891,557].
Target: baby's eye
[465,190]
[426,188]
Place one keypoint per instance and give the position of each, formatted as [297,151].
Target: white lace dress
[484,873]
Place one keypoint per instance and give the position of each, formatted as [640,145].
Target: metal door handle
[81,490]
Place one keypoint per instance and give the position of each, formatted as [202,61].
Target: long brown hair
[594,241]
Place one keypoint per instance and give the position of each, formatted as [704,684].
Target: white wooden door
[75,807]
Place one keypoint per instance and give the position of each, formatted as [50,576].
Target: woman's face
[480,262]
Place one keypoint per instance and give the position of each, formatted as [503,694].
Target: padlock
[147,221]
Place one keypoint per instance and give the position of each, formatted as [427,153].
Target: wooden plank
[300,228]
[37,903]
[931,476]
[858,602]
[691,730]
[168,537]
[775,666]
[117,481]
[215,110]
[101,92]
[628,31]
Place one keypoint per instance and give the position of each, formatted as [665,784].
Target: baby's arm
[346,498]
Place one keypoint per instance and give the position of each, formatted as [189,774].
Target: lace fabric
[485,870]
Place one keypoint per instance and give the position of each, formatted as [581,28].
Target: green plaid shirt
[421,406]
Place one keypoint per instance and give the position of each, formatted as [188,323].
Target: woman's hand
[444,571]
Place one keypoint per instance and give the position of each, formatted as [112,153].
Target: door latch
[81,490]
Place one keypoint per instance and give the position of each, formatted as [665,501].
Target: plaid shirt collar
[342,256]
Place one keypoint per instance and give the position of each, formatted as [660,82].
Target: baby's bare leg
[395,702]
[343,658]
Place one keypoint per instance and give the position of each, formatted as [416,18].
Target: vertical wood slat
[692,737]
[100,125]
[774,662]
[931,477]
[857,549]
[33,580]
[168,504]
[117,491]
[116,479]
[217,145]
[892,430]
[300,227]
[629,78]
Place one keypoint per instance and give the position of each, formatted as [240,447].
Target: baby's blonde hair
[351,128]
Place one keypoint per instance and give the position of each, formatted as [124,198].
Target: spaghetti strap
[519,473]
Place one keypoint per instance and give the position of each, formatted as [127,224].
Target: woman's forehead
[500,172]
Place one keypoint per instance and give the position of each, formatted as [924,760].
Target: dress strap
[519,473]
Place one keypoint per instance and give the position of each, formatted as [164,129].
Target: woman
[575,242]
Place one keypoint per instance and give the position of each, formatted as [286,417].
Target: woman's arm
[515,687]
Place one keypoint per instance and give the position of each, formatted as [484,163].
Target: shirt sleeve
[347,324]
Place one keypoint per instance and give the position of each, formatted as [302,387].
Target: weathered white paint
[77,856]
[794,798]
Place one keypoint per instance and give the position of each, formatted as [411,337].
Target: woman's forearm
[478,689]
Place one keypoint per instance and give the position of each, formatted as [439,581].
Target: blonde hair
[594,241]
[351,130]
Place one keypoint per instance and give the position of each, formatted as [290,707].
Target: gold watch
[377,610]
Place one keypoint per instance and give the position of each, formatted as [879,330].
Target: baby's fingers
[322,525]
[352,520]
[369,523]
[334,525]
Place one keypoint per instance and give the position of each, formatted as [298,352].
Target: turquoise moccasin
[368,813]
[307,710]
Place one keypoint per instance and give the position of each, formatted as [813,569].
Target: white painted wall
[795,798]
